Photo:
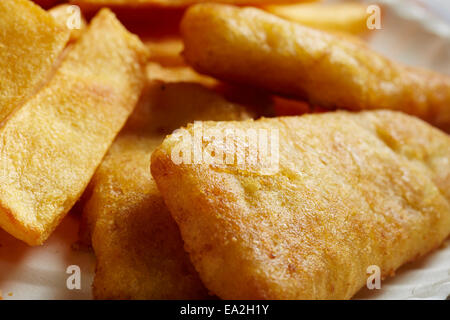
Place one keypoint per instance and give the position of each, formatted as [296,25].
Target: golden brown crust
[352,190]
[254,47]
[137,243]
[50,147]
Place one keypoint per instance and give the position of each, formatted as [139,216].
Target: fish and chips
[205,146]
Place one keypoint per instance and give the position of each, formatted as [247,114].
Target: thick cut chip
[338,17]
[167,64]
[50,148]
[138,246]
[30,43]
[352,190]
[254,47]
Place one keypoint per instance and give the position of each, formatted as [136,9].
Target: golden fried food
[342,17]
[352,190]
[173,3]
[30,43]
[70,17]
[166,51]
[254,47]
[167,64]
[138,246]
[51,146]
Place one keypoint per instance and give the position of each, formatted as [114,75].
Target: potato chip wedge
[352,190]
[254,47]
[335,17]
[138,246]
[30,43]
[51,146]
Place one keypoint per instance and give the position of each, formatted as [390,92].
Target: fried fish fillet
[254,47]
[138,246]
[342,17]
[30,43]
[51,146]
[352,190]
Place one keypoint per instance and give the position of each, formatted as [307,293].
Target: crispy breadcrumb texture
[30,43]
[137,243]
[250,46]
[51,146]
[352,190]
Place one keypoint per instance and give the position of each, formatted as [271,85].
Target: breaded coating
[254,47]
[138,246]
[352,190]
[30,43]
[69,16]
[51,146]
[335,17]
[171,3]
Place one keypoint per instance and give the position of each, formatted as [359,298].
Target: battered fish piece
[254,47]
[51,146]
[335,17]
[352,190]
[30,43]
[138,245]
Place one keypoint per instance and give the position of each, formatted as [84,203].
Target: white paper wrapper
[412,34]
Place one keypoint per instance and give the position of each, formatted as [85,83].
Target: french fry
[352,190]
[51,146]
[30,43]
[253,47]
[124,208]
[339,17]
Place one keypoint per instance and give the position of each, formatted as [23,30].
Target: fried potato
[30,43]
[173,3]
[167,64]
[166,51]
[338,17]
[352,190]
[138,246]
[70,17]
[51,146]
[256,48]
